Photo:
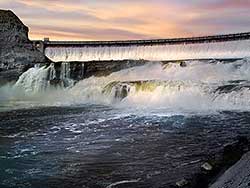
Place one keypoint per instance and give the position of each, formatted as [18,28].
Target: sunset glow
[127,19]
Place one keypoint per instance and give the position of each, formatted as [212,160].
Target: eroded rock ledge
[227,169]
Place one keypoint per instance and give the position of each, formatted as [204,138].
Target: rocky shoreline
[227,169]
[237,176]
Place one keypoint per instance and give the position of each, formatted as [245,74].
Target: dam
[230,46]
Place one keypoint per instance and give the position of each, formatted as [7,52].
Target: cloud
[129,19]
[90,33]
[229,4]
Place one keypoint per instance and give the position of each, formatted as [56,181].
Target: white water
[36,79]
[65,74]
[33,87]
[216,50]
[191,88]
[198,81]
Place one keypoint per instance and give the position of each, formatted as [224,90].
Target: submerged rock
[182,183]
[169,64]
[236,177]
[16,50]
[120,90]
[183,64]
[207,167]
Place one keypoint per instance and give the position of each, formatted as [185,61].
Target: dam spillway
[210,47]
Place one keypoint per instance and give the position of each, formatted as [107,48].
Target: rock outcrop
[16,50]
[238,176]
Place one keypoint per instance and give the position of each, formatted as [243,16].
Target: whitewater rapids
[200,86]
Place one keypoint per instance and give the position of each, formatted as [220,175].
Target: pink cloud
[126,19]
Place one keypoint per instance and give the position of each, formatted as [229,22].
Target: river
[87,135]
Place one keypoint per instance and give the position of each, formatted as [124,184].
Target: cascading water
[65,75]
[218,50]
[39,78]
[36,79]
[65,70]
[200,85]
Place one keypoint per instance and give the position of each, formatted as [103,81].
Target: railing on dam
[171,41]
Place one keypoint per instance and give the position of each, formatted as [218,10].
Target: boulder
[182,183]
[207,167]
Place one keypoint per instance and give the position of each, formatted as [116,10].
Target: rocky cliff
[237,176]
[16,50]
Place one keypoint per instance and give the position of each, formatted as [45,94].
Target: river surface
[159,133]
[95,146]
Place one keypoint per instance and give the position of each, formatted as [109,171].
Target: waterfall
[40,78]
[65,70]
[36,79]
[65,76]
[212,50]
[52,72]
[197,86]
[200,85]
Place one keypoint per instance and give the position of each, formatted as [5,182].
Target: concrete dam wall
[210,47]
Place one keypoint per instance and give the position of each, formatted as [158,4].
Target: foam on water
[168,88]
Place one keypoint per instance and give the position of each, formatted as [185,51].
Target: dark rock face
[209,175]
[16,50]
[81,70]
[237,176]
[12,29]
[104,68]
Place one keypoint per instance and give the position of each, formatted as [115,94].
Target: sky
[130,19]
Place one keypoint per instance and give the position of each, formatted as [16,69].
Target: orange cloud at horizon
[126,19]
